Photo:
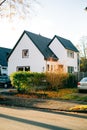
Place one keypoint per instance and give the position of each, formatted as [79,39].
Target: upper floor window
[70,53]
[25,53]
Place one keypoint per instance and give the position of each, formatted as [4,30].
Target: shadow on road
[76,114]
[35,123]
[73,114]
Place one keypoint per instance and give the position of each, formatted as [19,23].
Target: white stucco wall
[61,53]
[35,59]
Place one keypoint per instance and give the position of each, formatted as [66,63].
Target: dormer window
[25,53]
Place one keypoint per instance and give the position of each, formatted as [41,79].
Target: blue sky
[65,18]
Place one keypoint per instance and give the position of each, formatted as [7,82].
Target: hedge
[61,80]
[29,81]
[26,81]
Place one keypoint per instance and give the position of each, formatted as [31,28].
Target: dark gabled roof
[4,52]
[66,43]
[40,42]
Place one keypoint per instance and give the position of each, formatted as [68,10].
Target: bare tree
[85,8]
[18,8]
[1,2]
[82,47]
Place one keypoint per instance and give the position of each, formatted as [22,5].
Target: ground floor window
[19,68]
[51,67]
[60,68]
[70,69]
[55,68]
[23,68]
[48,67]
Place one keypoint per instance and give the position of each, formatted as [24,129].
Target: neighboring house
[36,53]
[4,52]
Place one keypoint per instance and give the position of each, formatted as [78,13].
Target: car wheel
[5,85]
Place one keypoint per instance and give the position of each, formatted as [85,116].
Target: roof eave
[16,44]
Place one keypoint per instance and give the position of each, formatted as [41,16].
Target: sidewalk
[53,104]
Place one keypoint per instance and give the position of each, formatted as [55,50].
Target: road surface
[31,119]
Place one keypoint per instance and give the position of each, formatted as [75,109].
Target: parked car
[5,81]
[82,85]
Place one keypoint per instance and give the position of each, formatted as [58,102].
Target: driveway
[26,119]
[6,90]
[3,90]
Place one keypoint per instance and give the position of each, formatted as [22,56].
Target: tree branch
[85,8]
[2,2]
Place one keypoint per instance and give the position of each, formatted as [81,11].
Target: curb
[46,109]
[9,101]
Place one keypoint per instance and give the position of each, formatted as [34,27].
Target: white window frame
[70,69]
[70,54]
[23,68]
[25,53]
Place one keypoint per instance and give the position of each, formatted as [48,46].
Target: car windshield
[84,80]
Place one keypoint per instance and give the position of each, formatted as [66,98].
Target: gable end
[66,43]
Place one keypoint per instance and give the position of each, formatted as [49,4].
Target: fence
[80,75]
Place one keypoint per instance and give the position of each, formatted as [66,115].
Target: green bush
[71,81]
[26,81]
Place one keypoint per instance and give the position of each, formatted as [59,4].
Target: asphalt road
[30,119]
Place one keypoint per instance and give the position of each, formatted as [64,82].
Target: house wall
[35,59]
[61,53]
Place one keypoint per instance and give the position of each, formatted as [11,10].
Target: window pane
[27,68]
[23,68]
[51,67]
[19,68]
[70,53]
[25,53]
[48,67]
[70,69]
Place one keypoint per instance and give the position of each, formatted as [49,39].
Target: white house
[36,53]
[4,52]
